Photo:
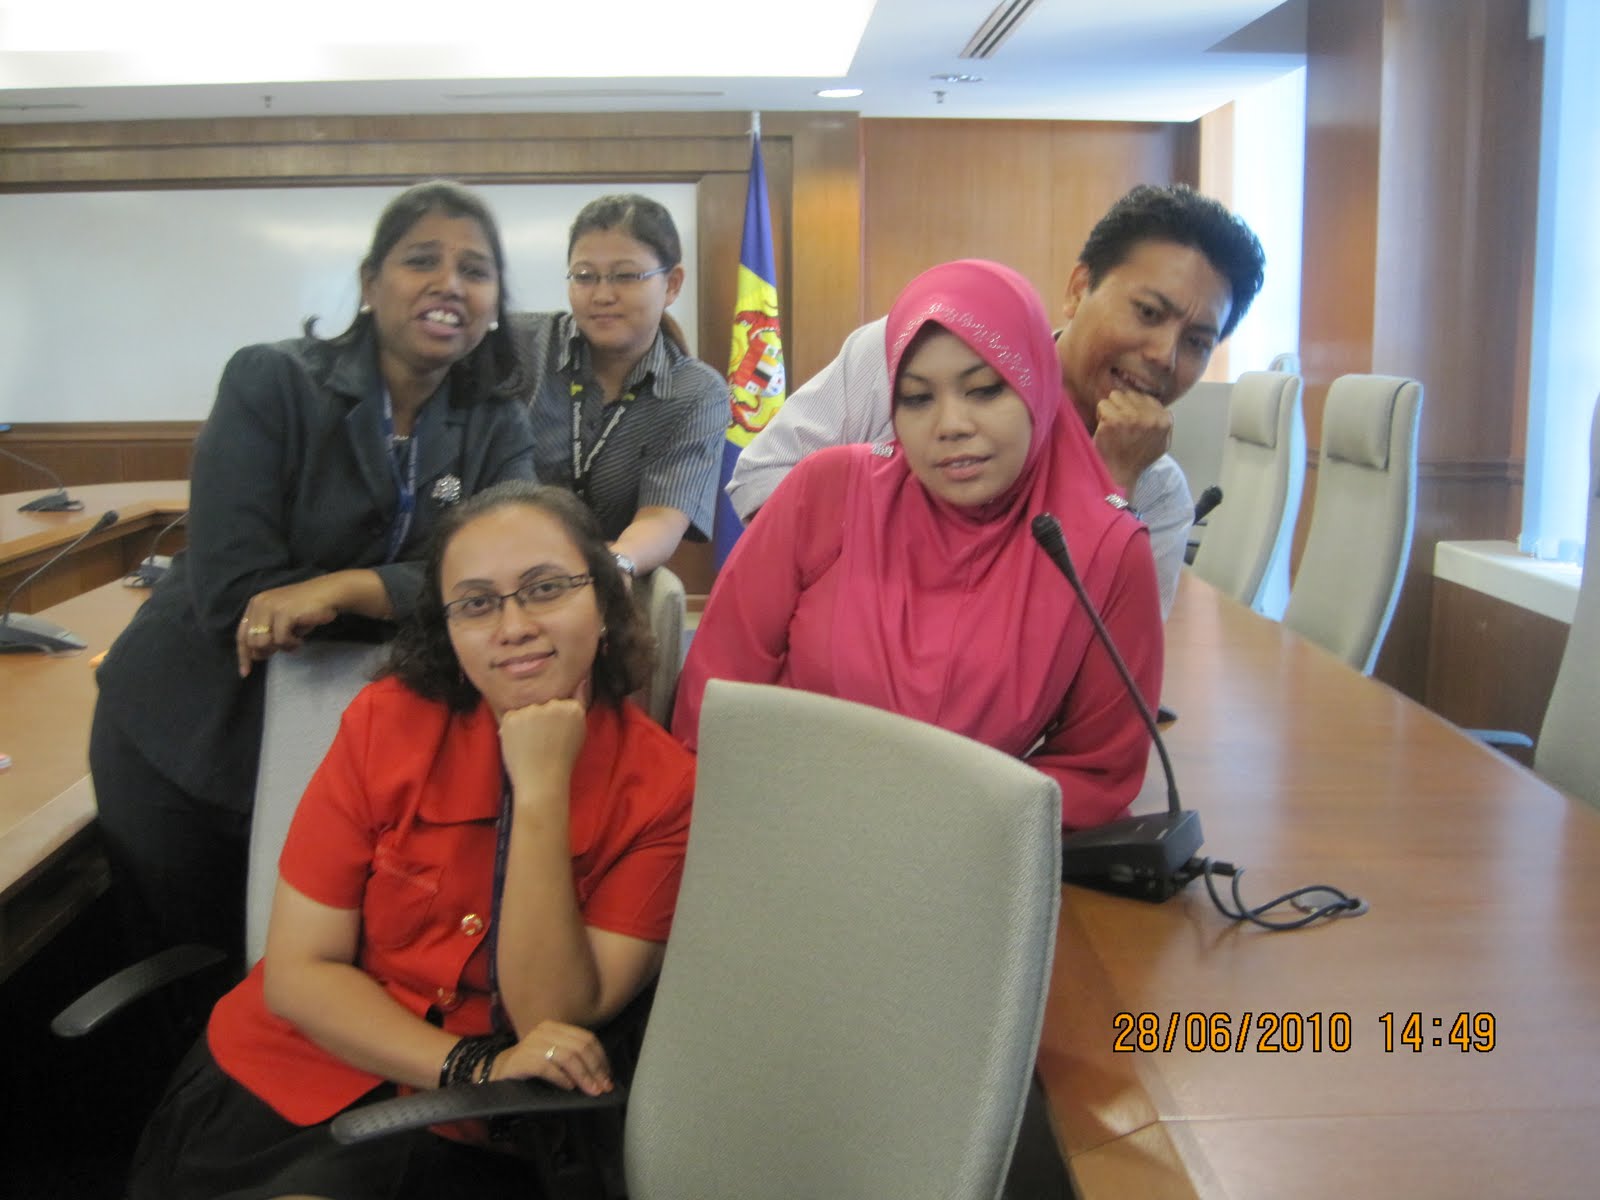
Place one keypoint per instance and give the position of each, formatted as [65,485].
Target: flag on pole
[755,368]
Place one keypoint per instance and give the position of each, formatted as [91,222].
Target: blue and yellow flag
[755,369]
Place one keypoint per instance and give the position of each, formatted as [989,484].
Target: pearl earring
[364,309]
[493,326]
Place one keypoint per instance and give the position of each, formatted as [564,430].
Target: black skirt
[212,1139]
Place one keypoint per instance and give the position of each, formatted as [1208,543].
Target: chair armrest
[112,995]
[466,1102]
[1501,737]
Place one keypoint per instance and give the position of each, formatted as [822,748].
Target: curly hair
[1182,215]
[494,368]
[421,656]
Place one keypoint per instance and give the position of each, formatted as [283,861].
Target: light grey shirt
[849,401]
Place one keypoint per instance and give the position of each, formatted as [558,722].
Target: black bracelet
[471,1058]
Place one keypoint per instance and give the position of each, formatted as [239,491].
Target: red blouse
[399,822]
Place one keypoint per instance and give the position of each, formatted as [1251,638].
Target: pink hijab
[955,616]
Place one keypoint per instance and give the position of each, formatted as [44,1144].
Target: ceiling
[1136,60]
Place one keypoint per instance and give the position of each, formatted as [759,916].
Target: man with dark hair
[1164,277]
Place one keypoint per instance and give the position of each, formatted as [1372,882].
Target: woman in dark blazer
[316,481]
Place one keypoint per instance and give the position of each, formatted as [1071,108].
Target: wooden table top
[24,534]
[46,702]
[1484,886]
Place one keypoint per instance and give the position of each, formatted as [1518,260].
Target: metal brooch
[447,489]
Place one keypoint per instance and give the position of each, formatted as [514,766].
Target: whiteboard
[124,306]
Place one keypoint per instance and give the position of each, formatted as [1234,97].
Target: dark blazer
[291,480]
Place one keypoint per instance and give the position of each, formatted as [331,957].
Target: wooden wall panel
[1339,252]
[1025,193]
[1419,226]
[98,452]
[1472,636]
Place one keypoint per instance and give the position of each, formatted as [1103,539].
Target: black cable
[1210,868]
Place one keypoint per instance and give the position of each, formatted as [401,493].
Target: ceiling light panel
[88,43]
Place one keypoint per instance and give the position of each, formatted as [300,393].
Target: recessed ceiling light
[839,93]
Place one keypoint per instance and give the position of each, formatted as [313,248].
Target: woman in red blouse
[482,870]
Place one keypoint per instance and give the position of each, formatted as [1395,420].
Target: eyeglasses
[541,593]
[616,279]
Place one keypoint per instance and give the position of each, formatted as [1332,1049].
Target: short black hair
[1182,215]
[494,368]
[421,656]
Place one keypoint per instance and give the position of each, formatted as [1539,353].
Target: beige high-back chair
[1246,548]
[307,693]
[1568,751]
[1199,432]
[852,995]
[1355,555]
[660,593]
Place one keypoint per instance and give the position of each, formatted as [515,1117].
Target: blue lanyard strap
[502,848]
[405,481]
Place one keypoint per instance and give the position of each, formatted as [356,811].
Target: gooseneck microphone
[19,631]
[1209,499]
[152,569]
[1145,856]
[56,501]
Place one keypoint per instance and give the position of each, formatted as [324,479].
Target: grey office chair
[660,594]
[306,692]
[852,995]
[1246,548]
[1568,752]
[1360,541]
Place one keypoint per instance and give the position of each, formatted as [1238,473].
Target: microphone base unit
[1141,857]
[57,501]
[21,633]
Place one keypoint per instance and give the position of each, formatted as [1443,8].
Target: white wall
[124,306]
[1269,156]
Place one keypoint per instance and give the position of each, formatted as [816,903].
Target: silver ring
[550,1054]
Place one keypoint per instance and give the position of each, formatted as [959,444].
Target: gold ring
[258,630]
[550,1054]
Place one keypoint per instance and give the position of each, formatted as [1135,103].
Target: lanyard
[581,463]
[502,848]
[405,483]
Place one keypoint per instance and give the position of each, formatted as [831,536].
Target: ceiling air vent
[997,27]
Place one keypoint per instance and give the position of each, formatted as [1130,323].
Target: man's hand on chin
[1133,431]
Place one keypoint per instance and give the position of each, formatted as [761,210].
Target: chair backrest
[1568,753]
[1199,432]
[1355,555]
[1287,363]
[852,995]
[661,595]
[307,692]
[1247,544]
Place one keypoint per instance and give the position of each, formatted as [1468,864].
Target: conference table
[50,868]
[1484,891]
[28,539]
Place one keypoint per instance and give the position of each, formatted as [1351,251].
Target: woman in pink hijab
[905,575]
